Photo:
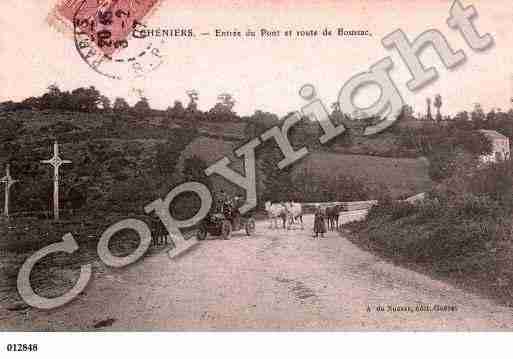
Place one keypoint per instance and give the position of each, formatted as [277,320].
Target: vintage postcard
[277,165]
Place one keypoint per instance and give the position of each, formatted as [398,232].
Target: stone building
[500,146]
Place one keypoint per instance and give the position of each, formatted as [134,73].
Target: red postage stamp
[107,22]
[107,33]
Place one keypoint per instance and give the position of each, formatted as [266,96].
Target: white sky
[261,73]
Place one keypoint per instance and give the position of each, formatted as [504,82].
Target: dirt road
[275,280]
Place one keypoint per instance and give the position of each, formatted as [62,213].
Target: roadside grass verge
[464,239]
[58,272]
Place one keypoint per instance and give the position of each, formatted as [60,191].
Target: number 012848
[22,347]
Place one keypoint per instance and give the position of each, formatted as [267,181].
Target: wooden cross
[56,162]
[9,181]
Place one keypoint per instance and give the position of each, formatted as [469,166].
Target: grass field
[401,176]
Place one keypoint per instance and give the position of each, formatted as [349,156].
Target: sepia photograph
[276,166]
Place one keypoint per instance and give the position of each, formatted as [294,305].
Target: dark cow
[332,216]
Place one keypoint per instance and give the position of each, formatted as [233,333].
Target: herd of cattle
[292,212]
[288,213]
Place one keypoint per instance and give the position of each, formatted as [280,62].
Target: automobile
[226,220]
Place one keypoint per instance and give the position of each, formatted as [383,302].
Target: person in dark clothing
[319,222]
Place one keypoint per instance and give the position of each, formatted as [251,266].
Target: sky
[263,73]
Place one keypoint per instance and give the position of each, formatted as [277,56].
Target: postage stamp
[109,35]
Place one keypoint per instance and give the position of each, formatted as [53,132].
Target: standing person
[319,223]
[223,197]
[220,199]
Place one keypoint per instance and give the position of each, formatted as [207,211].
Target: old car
[224,221]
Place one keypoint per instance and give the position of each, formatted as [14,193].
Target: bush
[437,242]
[391,209]
[429,208]
[496,181]
[400,209]
[463,229]
[471,206]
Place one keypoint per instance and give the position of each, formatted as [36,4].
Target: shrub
[429,208]
[496,181]
[462,228]
[400,209]
[475,207]
[391,209]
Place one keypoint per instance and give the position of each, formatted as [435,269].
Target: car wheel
[250,227]
[202,233]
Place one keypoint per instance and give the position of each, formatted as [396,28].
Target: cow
[294,213]
[275,211]
[332,216]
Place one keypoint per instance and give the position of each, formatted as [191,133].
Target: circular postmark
[112,41]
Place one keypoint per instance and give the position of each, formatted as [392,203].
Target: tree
[222,111]
[428,104]
[462,116]
[142,106]
[438,104]
[53,90]
[407,111]
[407,114]
[51,99]
[491,116]
[105,102]
[304,132]
[177,111]
[258,123]
[32,102]
[477,114]
[227,101]
[193,100]
[85,99]
[337,116]
[120,104]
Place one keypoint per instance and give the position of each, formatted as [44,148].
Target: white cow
[275,211]
[294,212]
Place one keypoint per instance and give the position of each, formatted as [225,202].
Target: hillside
[401,176]
[121,161]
